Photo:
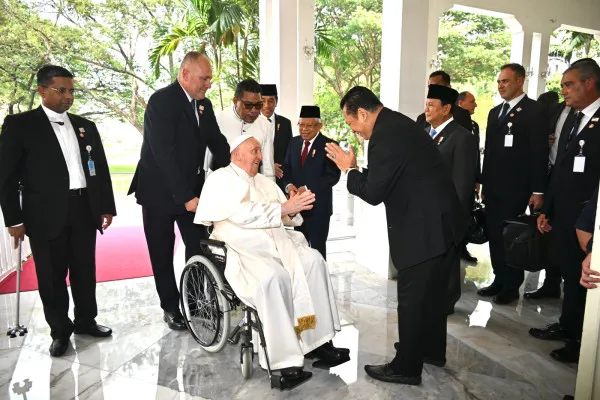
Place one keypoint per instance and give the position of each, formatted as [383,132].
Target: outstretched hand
[299,202]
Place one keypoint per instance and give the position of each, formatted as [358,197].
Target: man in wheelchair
[269,267]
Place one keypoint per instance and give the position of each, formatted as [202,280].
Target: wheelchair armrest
[212,242]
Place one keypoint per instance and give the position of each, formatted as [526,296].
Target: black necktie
[575,127]
[58,122]
[194,109]
[505,108]
[269,119]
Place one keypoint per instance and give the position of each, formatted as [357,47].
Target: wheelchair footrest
[283,382]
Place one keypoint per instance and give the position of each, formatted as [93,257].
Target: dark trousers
[509,278]
[570,256]
[73,251]
[316,229]
[159,228]
[421,318]
[454,279]
[553,277]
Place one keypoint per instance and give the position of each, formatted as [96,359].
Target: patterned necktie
[432,133]
[304,152]
[575,127]
[505,108]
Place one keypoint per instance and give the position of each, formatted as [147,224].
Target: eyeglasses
[62,91]
[248,105]
[306,126]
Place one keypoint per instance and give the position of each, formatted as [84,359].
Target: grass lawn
[122,169]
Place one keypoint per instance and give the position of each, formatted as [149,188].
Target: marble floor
[490,355]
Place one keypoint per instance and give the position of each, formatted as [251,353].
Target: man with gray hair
[179,125]
[574,179]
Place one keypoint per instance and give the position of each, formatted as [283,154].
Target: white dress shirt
[232,126]
[67,138]
[190,98]
[441,127]
[310,145]
[588,113]
[559,125]
[511,104]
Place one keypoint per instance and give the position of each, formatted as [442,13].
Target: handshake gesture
[300,200]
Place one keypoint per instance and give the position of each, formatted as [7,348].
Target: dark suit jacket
[408,174]
[30,153]
[283,135]
[459,150]
[478,139]
[569,191]
[512,174]
[170,171]
[461,116]
[319,173]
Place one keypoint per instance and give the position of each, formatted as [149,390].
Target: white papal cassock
[269,267]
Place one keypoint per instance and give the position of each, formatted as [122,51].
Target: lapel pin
[591,125]
[595,119]
[440,139]
[519,109]
[278,126]
[313,153]
[512,115]
[201,109]
[81,132]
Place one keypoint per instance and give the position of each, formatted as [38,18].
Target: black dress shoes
[386,374]
[551,332]
[59,347]
[505,297]
[465,255]
[93,330]
[543,293]
[174,320]
[567,354]
[491,290]
[290,378]
[328,356]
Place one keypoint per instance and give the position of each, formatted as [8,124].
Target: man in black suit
[306,167]
[574,179]
[461,116]
[425,224]
[67,195]
[514,172]
[466,101]
[179,124]
[459,150]
[281,129]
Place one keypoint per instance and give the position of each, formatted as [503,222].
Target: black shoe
[505,297]
[328,356]
[385,373]
[543,293]
[568,397]
[551,332]
[491,290]
[290,378]
[174,320]
[94,330]
[465,255]
[59,347]
[567,354]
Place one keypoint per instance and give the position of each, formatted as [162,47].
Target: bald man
[179,124]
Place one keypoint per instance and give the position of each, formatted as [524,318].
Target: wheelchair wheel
[205,309]
[246,357]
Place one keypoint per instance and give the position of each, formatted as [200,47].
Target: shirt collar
[190,98]
[590,110]
[313,139]
[54,116]
[515,101]
[441,127]
[241,173]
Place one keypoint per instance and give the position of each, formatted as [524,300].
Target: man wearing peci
[179,124]
[67,196]
[281,129]
[425,224]
[306,167]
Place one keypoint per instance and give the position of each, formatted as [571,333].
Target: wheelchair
[207,302]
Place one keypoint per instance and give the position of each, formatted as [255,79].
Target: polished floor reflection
[490,355]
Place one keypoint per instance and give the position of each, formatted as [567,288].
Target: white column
[306,66]
[267,42]
[534,64]
[588,372]
[286,12]
[544,51]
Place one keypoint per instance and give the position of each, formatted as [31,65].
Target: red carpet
[121,253]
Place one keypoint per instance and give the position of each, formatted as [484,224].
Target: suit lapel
[512,113]
[444,135]
[589,127]
[314,149]
[46,130]
[83,141]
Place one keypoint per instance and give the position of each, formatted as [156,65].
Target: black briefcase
[524,246]
[476,233]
